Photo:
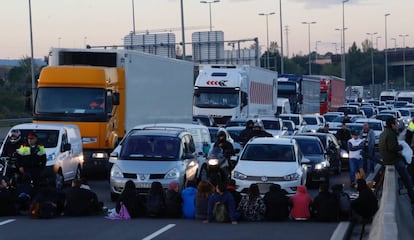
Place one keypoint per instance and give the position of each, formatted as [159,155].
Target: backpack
[220,212]
[43,210]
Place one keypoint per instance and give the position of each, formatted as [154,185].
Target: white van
[63,145]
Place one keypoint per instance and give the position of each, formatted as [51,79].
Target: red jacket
[301,203]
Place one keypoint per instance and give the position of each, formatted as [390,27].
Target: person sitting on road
[277,203]
[81,202]
[7,203]
[204,190]
[301,203]
[366,204]
[156,200]
[131,200]
[188,195]
[344,202]
[173,201]
[231,187]
[252,206]
[325,206]
[221,206]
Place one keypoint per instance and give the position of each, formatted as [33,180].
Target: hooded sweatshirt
[301,203]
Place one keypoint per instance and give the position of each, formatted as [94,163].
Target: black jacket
[173,204]
[81,202]
[134,204]
[277,204]
[325,207]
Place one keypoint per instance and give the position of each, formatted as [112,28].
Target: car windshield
[310,120]
[292,118]
[309,147]
[384,117]
[289,125]
[150,147]
[338,119]
[330,117]
[377,126]
[271,124]
[268,152]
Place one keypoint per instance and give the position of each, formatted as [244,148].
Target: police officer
[32,159]
[13,142]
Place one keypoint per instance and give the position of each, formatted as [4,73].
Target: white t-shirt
[357,153]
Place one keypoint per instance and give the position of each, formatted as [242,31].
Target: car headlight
[213,162]
[239,175]
[116,172]
[173,173]
[51,157]
[321,165]
[291,177]
[344,154]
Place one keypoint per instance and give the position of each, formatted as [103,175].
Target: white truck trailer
[108,92]
[231,91]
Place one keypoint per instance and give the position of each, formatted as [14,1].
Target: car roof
[156,132]
[363,120]
[181,126]
[271,140]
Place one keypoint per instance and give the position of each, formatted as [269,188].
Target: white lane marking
[7,221]
[153,235]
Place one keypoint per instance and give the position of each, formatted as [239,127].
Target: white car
[268,160]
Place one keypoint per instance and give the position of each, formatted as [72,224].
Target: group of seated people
[222,203]
[202,201]
[47,201]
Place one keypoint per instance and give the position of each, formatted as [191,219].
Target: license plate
[263,187]
[144,185]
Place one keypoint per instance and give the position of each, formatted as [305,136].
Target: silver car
[148,155]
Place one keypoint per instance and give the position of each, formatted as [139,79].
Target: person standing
[368,151]
[390,153]
[31,159]
[343,135]
[356,164]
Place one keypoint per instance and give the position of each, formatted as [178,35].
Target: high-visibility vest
[25,150]
[411,126]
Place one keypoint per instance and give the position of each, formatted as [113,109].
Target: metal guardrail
[15,120]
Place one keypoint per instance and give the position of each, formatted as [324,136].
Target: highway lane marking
[159,232]
[7,221]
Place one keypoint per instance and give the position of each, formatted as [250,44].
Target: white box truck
[231,91]
[107,92]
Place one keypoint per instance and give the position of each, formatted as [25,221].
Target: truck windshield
[70,100]
[216,98]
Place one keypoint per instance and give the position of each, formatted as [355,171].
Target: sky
[74,23]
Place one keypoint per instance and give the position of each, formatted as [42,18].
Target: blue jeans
[354,165]
[402,170]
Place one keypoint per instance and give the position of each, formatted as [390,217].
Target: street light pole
[403,37]
[182,28]
[309,45]
[376,42]
[372,59]
[282,66]
[32,55]
[386,52]
[209,7]
[267,37]
[343,70]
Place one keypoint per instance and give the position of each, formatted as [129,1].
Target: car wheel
[60,180]
[78,174]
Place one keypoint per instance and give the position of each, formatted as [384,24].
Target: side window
[64,138]
[189,146]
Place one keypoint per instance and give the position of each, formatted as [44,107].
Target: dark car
[318,167]
[332,148]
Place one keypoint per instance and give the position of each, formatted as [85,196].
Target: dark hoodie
[277,204]
[366,205]
[301,203]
